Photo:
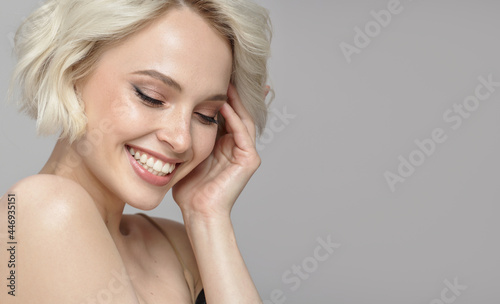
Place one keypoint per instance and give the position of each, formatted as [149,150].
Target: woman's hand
[206,197]
[212,188]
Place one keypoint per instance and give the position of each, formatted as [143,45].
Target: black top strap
[201,298]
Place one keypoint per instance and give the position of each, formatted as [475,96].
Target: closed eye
[207,119]
[151,101]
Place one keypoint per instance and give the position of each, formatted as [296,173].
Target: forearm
[224,274]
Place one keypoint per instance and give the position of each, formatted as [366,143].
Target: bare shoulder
[64,252]
[177,234]
[49,189]
[53,203]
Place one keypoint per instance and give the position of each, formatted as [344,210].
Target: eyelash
[157,103]
[151,101]
[208,120]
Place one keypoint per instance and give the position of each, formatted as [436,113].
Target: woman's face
[161,91]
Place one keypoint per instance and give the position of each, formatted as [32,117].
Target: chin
[145,205]
[142,197]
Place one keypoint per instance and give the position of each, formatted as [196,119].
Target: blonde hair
[61,42]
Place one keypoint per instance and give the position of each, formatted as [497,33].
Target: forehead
[180,44]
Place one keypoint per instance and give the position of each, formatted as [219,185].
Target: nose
[175,130]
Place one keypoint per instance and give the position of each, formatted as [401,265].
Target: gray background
[323,170]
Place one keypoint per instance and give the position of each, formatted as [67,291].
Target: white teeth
[158,166]
[153,166]
[168,168]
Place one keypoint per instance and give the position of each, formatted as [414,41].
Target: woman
[148,96]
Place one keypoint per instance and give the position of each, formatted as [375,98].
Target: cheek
[203,141]
[107,99]
[110,124]
[123,114]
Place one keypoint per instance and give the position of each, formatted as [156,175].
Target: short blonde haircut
[61,42]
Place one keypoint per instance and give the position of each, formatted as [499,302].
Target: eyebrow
[172,83]
[161,77]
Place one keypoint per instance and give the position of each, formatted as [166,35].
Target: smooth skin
[75,244]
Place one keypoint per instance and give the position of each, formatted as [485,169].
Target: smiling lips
[151,164]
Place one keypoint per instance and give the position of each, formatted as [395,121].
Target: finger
[237,128]
[239,108]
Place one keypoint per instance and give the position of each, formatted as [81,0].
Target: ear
[266,90]
[77,87]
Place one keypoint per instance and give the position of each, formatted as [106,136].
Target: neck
[66,162]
